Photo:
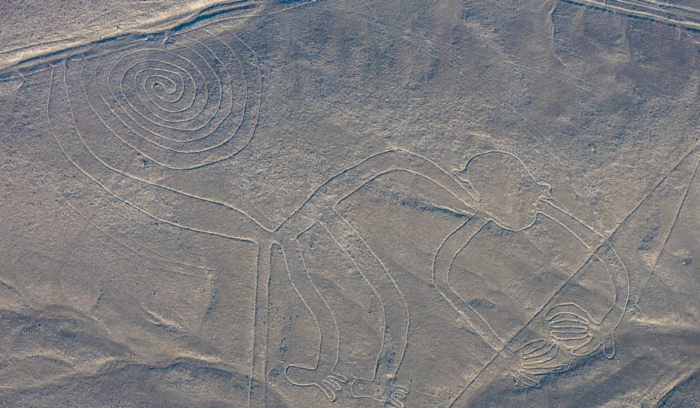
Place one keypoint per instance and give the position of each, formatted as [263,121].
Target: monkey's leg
[382,387]
[322,375]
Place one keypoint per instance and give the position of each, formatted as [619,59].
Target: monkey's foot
[386,392]
[321,377]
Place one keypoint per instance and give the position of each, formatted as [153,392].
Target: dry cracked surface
[349,203]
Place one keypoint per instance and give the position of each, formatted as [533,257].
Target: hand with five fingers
[572,327]
[534,359]
[386,392]
[323,378]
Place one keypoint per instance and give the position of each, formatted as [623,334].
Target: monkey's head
[506,190]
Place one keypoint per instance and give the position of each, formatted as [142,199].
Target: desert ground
[350,203]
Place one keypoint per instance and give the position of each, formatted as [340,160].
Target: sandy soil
[349,203]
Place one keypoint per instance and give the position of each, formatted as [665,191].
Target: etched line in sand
[322,375]
[77,149]
[571,326]
[321,207]
[208,120]
[137,248]
[496,175]
[662,12]
[48,52]
[382,386]
[257,390]
[86,155]
[461,64]
[140,94]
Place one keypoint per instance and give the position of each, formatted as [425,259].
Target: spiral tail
[184,103]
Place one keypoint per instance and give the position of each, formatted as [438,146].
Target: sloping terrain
[349,203]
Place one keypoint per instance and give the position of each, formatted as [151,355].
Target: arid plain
[350,203]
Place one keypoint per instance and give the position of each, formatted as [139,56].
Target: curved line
[313,315]
[507,154]
[356,166]
[484,321]
[126,201]
[335,322]
[221,203]
[165,63]
[386,270]
[207,162]
[374,290]
[156,260]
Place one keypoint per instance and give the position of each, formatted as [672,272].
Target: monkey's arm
[570,324]
[582,231]
[441,270]
[458,196]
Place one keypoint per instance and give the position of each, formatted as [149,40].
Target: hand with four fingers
[386,392]
[321,377]
[572,327]
[534,359]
